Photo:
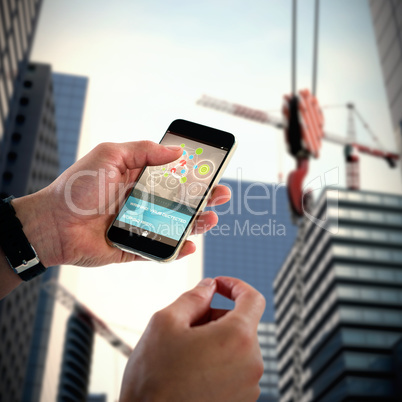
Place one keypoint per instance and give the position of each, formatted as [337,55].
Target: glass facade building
[77,354]
[253,237]
[31,156]
[69,92]
[346,274]
[250,242]
[29,160]
[18,21]
[387,22]
[269,380]
[31,163]
[69,98]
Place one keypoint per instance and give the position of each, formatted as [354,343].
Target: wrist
[36,216]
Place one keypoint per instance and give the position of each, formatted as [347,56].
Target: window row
[368,315]
[379,199]
[370,294]
[380,273]
[367,216]
[368,253]
[371,234]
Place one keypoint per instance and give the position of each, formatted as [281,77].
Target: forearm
[35,212]
[36,219]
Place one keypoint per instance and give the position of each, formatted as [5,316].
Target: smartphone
[165,201]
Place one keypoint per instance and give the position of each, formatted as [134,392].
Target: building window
[24,101]
[12,156]
[20,119]
[7,175]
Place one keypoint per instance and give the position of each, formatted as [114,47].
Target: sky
[148,62]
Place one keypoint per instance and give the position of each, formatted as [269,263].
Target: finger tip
[221,195]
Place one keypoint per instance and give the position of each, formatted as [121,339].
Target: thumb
[147,153]
[194,304]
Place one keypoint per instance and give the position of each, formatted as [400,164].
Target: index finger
[249,303]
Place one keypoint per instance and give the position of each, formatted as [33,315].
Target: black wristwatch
[19,253]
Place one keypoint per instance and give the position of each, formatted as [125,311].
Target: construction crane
[303,125]
[68,300]
[263,117]
[352,147]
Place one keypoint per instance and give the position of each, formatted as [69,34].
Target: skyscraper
[269,381]
[346,275]
[69,92]
[31,163]
[31,160]
[18,21]
[69,98]
[250,242]
[387,22]
[28,162]
[76,365]
[252,238]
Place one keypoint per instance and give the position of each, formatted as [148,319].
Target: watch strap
[19,253]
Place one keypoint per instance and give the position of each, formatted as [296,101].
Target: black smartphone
[163,205]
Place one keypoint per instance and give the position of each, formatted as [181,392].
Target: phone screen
[166,198]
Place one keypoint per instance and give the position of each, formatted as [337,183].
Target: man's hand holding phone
[66,222]
[161,210]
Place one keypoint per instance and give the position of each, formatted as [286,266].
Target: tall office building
[28,162]
[69,99]
[77,354]
[342,344]
[31,163]
[69,92]
[253,237]
[250,242]
[18,21]
[97,398]
[269,381]
[387,22]
[31,160]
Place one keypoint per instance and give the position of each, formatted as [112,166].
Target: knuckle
[105,147]
[162,318]
[259,369]
[197,295]
[256,392]
[254,375]
[261,300]
[245,337]
[145,144]
[237,325]
[257,297]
